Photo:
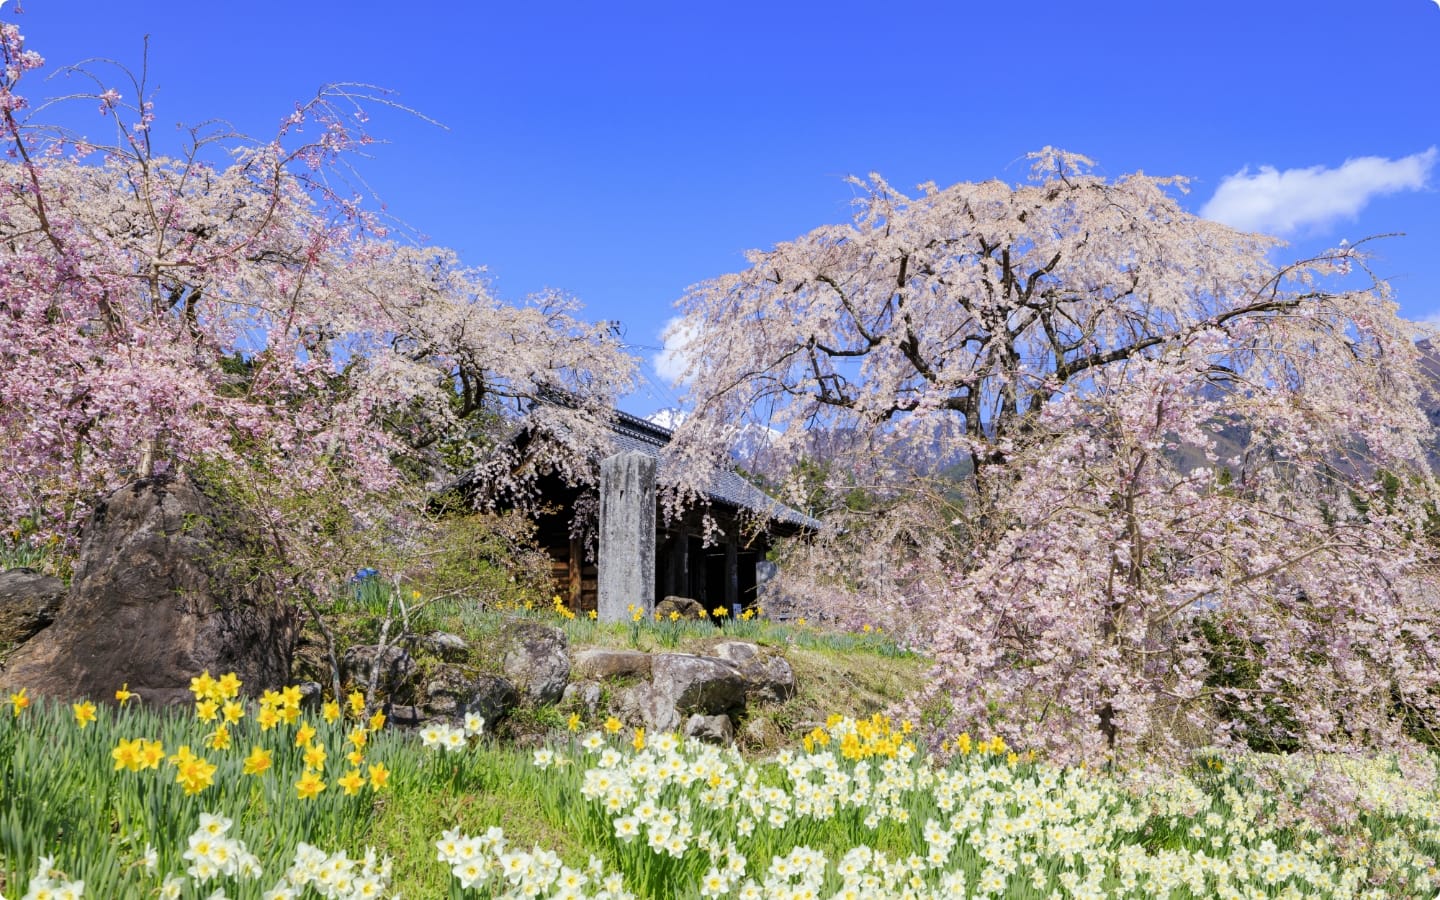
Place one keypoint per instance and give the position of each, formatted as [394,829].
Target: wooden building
[726,573]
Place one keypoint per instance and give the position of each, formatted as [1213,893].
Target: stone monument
[627,536]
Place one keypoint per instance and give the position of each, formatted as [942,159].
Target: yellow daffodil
[638,742]
[84,713]
[359,737]
[152,753]
[182,755]
[207,710]
[309,785]
[290,697]
[573,723]
[19,700]
[330,711]
[354,757]
[377,721]
[352,781]
[612,725]
[195,774]
[203,686]
[357,704]
[268,718]
[127,755]
[305,734]
[228,686]
[220,739]
[315,757]
[378,775]
[258,761]
[125,695]
[232,712]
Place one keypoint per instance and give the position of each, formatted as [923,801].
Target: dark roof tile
[632,433]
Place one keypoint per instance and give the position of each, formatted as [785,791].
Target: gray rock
[536,661]
[582,695]
[163,590]
[768,678]
[449,647]
[599,663]
[681,685]
[642,705]
[687,608]
[311,696]
[396,667]
[28,603]
[399,716]
[452,693]
[737,652]
[710,729]
[698,684]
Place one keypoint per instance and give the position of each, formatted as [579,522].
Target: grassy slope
[834,674]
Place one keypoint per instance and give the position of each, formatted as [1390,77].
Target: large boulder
[392,667]
[582,696]
[536,660]
[452,693]
[596,662]
[643,706]
[698,684]
[768,678]
[160,594]
[29,602]
[683,607]
[681,685]
[710,729]
[449,647]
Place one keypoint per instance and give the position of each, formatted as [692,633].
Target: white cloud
[673,360]
[1285,202]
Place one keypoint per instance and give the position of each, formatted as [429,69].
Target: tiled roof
[727,487]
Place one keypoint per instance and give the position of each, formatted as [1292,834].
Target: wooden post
[667,587]
[682,564]
[732,574]
[577,557]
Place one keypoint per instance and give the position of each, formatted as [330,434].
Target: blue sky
[623,151]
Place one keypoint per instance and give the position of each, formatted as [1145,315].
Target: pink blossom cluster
[227,307]
[1133,487]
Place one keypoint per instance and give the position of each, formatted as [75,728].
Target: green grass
[61,796]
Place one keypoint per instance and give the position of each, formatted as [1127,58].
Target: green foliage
[62,795]
[22,547]
[1265,724]
[488,560]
